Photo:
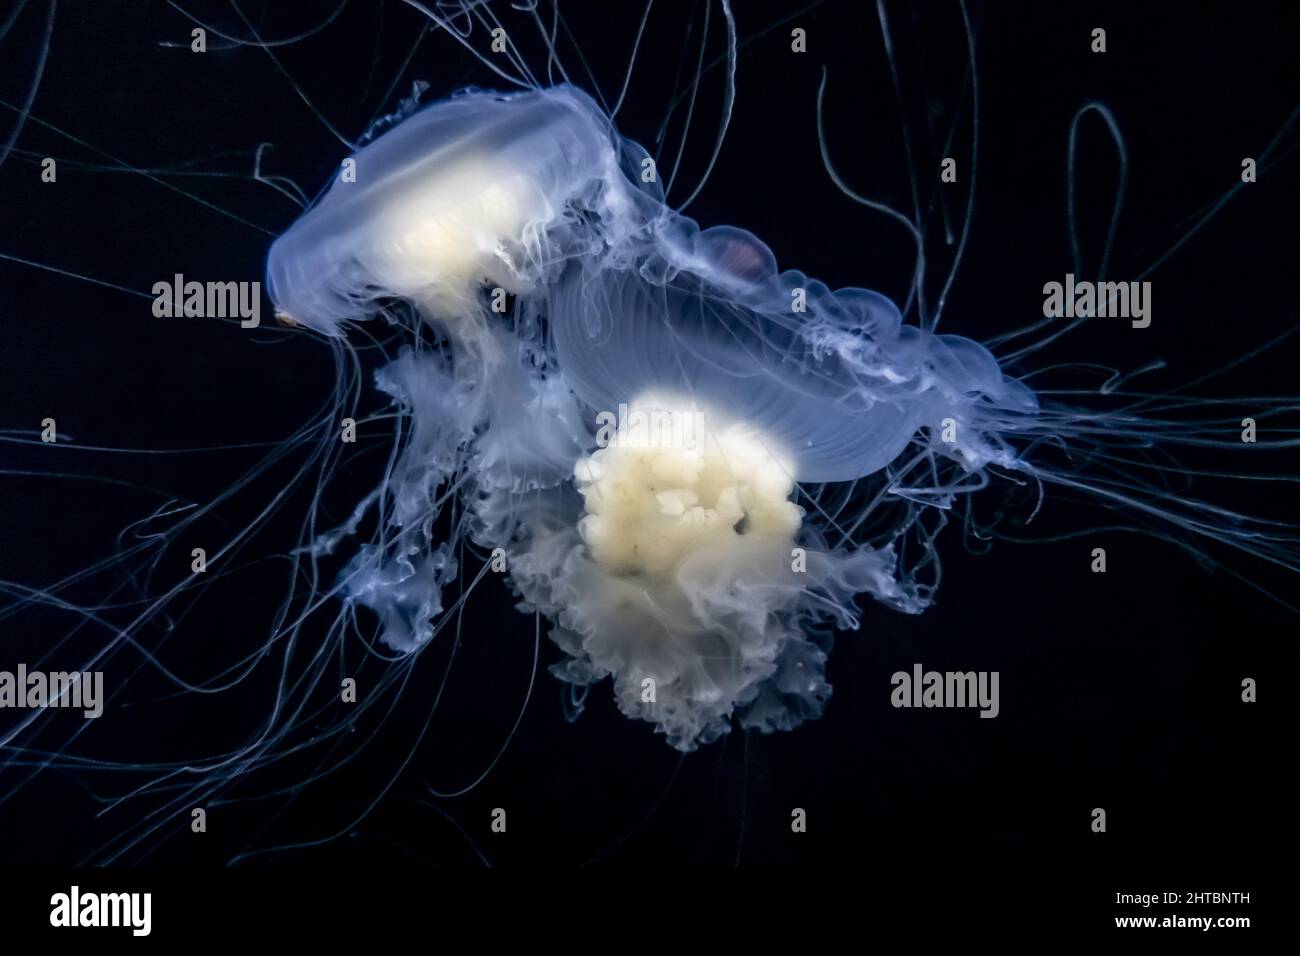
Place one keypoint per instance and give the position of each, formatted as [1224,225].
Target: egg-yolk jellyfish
[687,464]
[668,549]
[667,553]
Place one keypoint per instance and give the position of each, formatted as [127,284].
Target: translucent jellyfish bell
[537,194]
[684,571]
[457,194]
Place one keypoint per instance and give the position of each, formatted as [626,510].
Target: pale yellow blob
[448,232]
[673,479]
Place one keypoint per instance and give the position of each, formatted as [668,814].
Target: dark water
[1119,691]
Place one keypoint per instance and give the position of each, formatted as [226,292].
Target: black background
[1119,691]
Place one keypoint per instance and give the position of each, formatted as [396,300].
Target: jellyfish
[627,404]
[691,467]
